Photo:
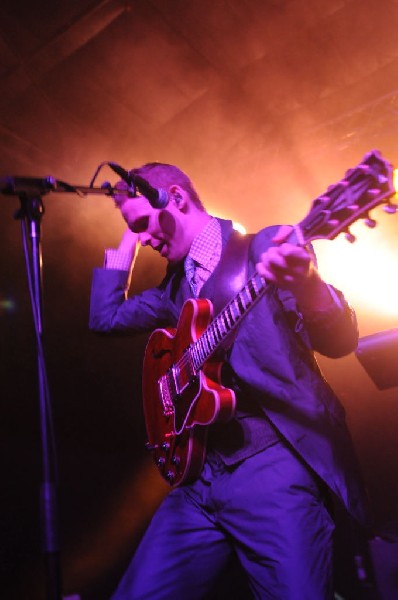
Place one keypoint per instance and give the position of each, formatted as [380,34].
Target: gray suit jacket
[271,357]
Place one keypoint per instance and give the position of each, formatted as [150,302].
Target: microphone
[157,197]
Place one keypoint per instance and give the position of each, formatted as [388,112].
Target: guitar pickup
[166,395]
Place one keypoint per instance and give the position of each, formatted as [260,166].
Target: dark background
[264,103]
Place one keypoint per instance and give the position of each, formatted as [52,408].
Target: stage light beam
[367,270]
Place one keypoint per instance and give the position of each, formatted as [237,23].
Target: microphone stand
[30,214]
[30,191]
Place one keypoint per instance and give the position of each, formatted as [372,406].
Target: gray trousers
[269,510]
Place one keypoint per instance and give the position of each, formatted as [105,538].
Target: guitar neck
[233,313]
[226,321]
[363,187]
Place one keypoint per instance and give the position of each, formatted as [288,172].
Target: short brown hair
[162,175]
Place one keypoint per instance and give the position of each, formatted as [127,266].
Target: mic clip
[131,191]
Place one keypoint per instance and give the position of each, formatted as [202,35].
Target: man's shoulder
[263,234]
[263,239]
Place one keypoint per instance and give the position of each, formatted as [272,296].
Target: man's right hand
[129,243]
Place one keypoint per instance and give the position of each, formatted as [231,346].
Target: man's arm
[329,320]
[111,311]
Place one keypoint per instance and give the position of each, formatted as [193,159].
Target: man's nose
[144,238]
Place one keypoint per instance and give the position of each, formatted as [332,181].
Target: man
[263,492]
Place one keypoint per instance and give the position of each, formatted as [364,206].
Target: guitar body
[182,389]
[180,403]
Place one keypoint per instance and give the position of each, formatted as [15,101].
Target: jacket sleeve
[333,333]
[112,312]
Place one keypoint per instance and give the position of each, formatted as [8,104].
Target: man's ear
[178,196]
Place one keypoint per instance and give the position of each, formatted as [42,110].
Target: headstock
[364,187]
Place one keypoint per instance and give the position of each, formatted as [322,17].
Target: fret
[215,338]
[206,341]
[249,289]
[211,338]
[194,356]
[201,354]
[221,326]
[201,350]
[205,346]
[240,304]
[250,297]
[246,296]
[243,299]
[252,289]
[235,310]
[226,321]
[234,314]
[228,314]
[255,287]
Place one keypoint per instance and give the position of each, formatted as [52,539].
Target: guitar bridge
[166,393]
[174,382]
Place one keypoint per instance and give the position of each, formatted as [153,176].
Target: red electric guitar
[182,392]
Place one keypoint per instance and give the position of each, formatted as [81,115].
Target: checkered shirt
[206,252]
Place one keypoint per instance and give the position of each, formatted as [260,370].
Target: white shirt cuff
[114,259]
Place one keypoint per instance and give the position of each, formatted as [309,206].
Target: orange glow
[367,270]
[122,526]
[240,228]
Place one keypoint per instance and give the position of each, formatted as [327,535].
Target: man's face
[160,229]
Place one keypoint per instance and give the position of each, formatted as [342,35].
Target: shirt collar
[207,243]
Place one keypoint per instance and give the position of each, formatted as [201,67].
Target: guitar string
[223,324]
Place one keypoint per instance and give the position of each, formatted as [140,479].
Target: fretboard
[226,321]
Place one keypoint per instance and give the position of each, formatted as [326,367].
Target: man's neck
[201,221]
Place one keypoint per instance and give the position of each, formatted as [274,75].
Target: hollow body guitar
[182,390]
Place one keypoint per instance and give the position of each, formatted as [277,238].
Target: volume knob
[170,476]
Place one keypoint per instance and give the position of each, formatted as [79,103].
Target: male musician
[263,492]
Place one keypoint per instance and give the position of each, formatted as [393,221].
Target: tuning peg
[151,447]
[350,237]
[390,208]
[321,200]
[382,178]
[365,168]
[170,476]
[370,222]
[374,192]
